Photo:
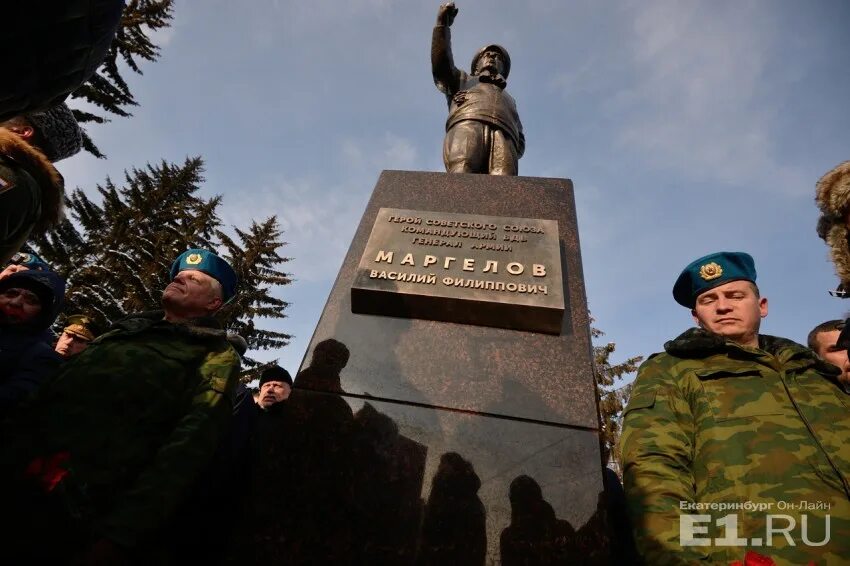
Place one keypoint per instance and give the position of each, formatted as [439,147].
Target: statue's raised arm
[483,131]
[446,75]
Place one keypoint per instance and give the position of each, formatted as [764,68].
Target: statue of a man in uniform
[483,131]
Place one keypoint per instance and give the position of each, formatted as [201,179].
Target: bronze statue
[483,131]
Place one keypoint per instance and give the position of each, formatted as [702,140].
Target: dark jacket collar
[203,327]
[699,343]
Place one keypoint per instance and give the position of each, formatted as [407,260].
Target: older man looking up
[731,437]
[104,456]
[275,387]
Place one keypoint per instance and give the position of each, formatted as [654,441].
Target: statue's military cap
[209,263]
[29,260]
[712,271]
[498,49]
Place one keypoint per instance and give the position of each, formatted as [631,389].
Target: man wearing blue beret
[732,437]
[105,454]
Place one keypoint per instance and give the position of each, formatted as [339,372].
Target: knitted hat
[61,135]
[275,373]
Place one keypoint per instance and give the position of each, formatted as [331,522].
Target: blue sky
[686,127]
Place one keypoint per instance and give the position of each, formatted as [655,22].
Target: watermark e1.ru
[693,527]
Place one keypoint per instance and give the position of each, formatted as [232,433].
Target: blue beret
[209,263]
[30,261]
[712,271]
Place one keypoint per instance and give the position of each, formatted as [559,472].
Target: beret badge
[710,271]
[194,259]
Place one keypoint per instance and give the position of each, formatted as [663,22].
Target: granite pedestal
[416,441]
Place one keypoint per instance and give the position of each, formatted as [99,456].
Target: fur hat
[61,135]
[832,194]
[44,173]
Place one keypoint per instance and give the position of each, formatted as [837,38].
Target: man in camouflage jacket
[103,457]
[731,437]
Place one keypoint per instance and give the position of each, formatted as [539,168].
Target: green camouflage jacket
[139,414]
[719,432]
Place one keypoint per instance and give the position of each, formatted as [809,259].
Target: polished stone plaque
[467,268]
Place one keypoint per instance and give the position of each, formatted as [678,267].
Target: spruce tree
[116,254]
[255,259]
[107,88]
[611,395]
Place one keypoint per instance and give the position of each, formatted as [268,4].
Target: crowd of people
[103,436]
[106,432]
[735,444]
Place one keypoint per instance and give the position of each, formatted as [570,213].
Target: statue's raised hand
[446,14]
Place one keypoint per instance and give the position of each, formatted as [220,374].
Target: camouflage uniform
[710,421]
[138,415]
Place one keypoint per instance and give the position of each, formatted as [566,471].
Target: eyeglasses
[840,292]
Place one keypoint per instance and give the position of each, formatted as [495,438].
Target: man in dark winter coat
[107,451]
[29,303]
[57,47]
[31,189]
